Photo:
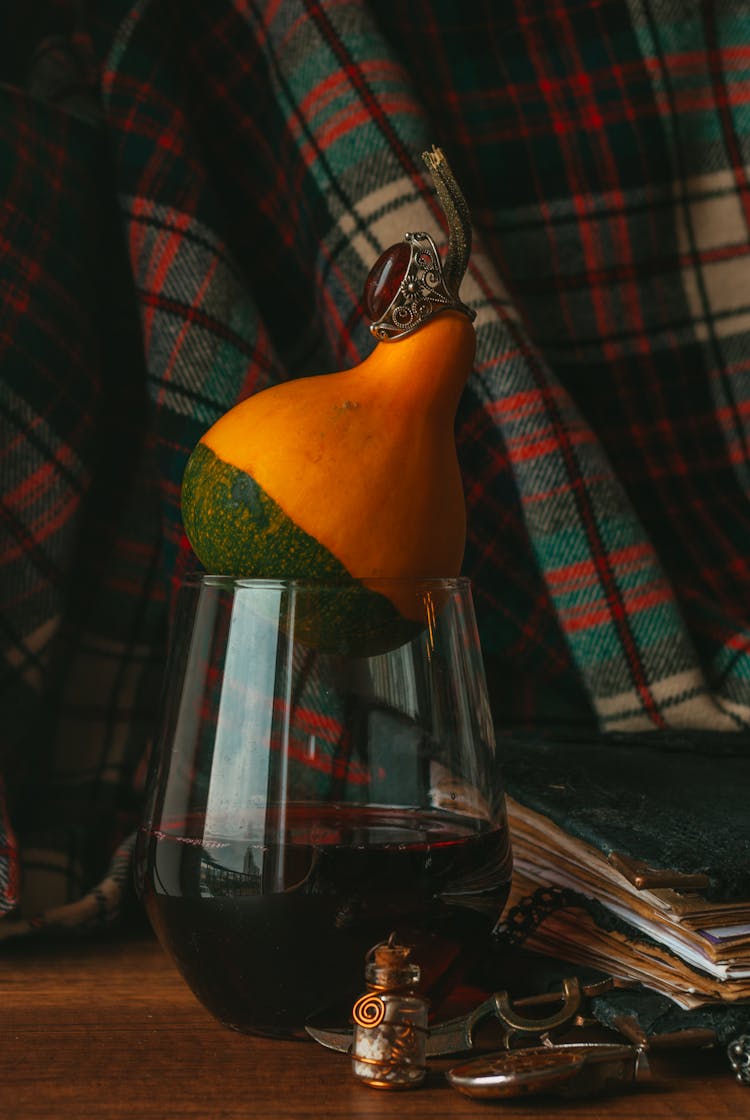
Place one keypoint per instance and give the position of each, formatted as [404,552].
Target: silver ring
[421,294]
[738,1053]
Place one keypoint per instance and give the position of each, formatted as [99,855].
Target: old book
[652,834]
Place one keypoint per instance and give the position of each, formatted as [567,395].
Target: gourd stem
[456,212]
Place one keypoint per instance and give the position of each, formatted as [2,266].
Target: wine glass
[324,777]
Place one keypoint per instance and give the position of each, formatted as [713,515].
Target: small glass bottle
[390,1021]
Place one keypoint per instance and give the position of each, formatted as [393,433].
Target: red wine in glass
[271,936]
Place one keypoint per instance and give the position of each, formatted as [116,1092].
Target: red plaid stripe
[184,175]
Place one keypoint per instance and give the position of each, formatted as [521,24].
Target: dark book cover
[666,814]
[678,804]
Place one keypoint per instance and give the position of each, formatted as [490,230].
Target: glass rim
[199,579]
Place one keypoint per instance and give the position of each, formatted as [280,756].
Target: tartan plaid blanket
[192,196]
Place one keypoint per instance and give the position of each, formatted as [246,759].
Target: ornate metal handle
[500,1005]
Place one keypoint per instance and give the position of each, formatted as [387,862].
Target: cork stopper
[390,967]
[391,956]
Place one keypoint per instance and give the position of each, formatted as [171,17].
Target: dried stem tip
[456,212]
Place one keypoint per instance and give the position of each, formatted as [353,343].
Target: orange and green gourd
[351,475]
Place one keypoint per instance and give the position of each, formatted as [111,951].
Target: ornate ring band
[406,287]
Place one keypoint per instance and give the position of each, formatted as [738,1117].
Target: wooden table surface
[108,1029]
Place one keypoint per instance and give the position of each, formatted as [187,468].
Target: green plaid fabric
[192,196]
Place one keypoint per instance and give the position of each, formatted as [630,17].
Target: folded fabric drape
[192,196]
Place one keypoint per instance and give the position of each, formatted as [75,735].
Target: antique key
[454,1036]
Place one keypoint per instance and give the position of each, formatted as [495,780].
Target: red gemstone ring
[406,287]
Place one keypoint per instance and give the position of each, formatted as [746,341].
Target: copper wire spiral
[369,1010]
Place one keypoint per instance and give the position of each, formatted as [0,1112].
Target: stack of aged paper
[649,838]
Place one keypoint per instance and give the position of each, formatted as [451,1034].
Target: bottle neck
[392,975]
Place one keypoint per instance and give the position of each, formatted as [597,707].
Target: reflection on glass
[325,776]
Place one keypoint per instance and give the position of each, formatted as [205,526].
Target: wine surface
[273,929]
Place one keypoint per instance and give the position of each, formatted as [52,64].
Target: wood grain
[108,1029]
